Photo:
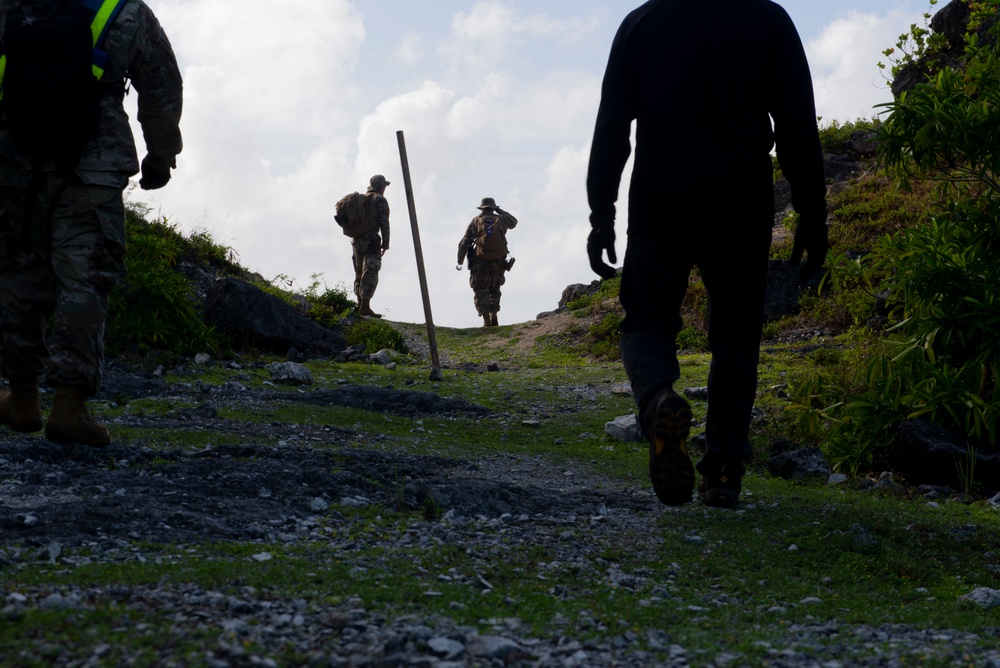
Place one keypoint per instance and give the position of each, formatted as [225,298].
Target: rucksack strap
[105,12]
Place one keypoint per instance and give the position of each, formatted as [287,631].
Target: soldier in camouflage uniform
[486,274]
[370,247]
[62,233]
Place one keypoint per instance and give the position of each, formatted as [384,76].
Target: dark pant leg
[653,284]
[735,276]
[27,283]
[486,278]
[87,258]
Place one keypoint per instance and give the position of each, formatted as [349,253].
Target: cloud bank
[285,112]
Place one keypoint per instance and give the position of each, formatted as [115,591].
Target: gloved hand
[155,172]
[385,247]
[602,239]
[458,267]
[811,236]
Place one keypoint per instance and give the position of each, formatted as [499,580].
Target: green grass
[708,578]
[705,576]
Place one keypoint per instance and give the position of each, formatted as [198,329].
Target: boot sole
[58,434]
[23,427]
[670,468]
[721,497]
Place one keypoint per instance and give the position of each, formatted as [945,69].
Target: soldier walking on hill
[66,155]
[370,247]
[702,194]
[485,244]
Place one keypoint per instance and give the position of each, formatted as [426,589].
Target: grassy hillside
[232,522]
[378,518]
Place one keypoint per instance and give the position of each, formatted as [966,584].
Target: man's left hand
[811,237]
[154,173]
[602,239]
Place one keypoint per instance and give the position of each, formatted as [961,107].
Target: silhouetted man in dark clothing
[703,81]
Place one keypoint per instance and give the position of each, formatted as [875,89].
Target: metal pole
[431,339]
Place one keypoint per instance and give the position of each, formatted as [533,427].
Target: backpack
[355,216]
[490,241]
[49,74]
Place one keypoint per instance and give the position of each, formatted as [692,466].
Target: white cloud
[280,121]
[843,60]
[410,50]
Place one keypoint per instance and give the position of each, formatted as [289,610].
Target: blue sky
[285,111]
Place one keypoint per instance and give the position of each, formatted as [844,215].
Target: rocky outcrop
[952,21]
[251,317]
[926,453]
[786,460]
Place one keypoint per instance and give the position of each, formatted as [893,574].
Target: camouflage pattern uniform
[62,233]
[369,248]
[485,276]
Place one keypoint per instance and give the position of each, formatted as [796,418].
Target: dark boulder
[928,454]
[951,21]
[796,464]
[784,287]
[256,319]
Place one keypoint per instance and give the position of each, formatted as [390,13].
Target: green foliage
[607,335]
[201,244]
[834,137]
[325,305]
[851,302]
[872,207]
[322,304]
[946,130]
[375,335]
[692,338]
[941,279]
[919,43]
[154,307]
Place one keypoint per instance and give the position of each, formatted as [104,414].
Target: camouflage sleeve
[507,221]
[382,205]
[465,245]
[157,80]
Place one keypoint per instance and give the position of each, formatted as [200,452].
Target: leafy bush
[873,207]
[375,335]
[920,45]
[834,137]
[607,335]
[941,279]
[154,307]
[330,306]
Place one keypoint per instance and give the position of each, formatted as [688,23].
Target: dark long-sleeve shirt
[703,81]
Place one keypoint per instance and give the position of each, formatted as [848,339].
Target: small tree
[942,278]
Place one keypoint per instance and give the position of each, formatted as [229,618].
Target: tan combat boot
[70,421]
[21,407]
[366,309]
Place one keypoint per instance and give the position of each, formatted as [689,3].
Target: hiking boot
[21,407]
[71,422]
[366,309]
[670,468]
[721,485]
